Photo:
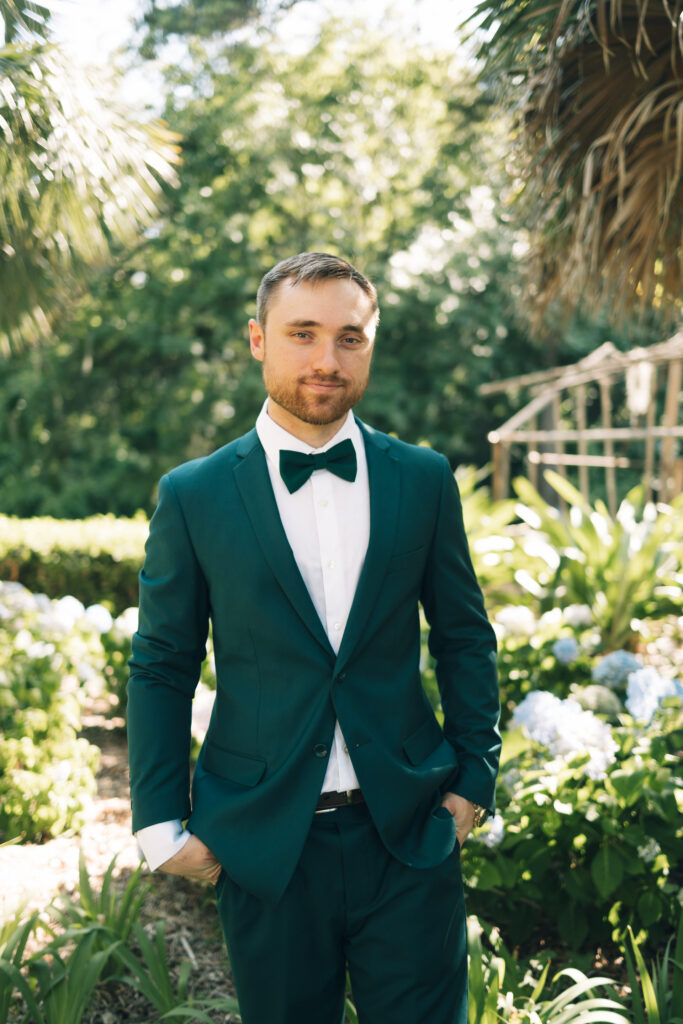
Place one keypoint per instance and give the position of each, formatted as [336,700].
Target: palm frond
[599,111]
[76,174]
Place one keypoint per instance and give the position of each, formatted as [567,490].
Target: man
[328,804]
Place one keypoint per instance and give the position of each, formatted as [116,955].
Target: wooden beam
[568,459]
[610,477]
[500,456]
[668,452]
[584,482]
[662,352]
[532,467]
[591,434]
[649,474]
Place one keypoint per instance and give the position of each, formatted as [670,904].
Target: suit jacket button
[320,750]
[340,677]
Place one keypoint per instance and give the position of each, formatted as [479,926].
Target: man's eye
[352,341]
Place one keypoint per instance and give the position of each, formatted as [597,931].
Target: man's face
[316,351]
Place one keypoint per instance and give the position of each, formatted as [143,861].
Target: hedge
[96,560]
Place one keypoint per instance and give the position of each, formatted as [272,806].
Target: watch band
[481,814]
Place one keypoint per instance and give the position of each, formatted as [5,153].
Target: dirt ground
[33,875]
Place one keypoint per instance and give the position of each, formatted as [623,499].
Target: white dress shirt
[330,558]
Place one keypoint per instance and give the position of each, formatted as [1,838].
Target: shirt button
[320,750]
[324,503]
[337,627]
[330,564]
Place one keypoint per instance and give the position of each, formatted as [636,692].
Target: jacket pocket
[406,560]
[421,743]
[240,768]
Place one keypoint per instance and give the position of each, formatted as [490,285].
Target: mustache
[319,378]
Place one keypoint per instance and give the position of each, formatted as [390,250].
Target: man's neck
[314,434]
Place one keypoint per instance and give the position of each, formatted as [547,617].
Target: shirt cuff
[158,843]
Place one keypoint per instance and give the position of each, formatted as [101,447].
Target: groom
[329,804]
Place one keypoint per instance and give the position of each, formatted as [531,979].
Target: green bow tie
[296,467]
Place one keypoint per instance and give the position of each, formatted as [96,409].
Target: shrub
[47,773]
[95,559]
[588,840]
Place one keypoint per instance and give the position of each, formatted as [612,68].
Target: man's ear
[256,340]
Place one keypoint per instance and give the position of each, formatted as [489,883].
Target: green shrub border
[96,559]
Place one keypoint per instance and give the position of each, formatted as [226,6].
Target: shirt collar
[274,438]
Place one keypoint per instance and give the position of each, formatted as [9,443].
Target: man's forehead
[303,298]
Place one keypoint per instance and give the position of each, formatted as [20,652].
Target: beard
[311,407]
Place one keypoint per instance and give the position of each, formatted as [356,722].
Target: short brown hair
[310,267]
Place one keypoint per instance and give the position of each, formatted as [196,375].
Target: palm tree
[77,173]
[597,91]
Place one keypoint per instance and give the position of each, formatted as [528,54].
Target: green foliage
[97,560]
[497,984]
[587,847]
[623,568]
[64,987]
[15,935]
[76,172]
[150,975]
[658,993]
[365,145]
[107,913]
[47,773]
[192,18]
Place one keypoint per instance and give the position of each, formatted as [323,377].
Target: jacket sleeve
[168,649]
[463,645]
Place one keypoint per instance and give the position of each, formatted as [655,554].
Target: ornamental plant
[624,567]
[47,772]
[589,837]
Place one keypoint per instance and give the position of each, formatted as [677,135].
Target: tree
[596,89]
[77,173]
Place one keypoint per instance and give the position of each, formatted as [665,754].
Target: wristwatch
[481,814]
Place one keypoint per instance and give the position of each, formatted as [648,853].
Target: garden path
[32,875]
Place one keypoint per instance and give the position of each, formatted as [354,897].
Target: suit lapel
[384,480]
[253,483]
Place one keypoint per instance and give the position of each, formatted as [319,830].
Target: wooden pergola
[560,398]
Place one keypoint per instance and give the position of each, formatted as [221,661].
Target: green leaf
[607,870]
[572,924]
[649,908]
[488,876]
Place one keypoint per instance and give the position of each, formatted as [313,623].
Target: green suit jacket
[217,551]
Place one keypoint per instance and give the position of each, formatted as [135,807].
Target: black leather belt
[330,801]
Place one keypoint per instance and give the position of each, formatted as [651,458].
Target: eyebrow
[355,328]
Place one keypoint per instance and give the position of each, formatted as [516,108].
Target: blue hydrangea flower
[614,669]
[566,649]
[645,692]
[567,730]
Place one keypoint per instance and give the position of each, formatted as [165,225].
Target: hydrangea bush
[551,652]
[47,773]
[589,835]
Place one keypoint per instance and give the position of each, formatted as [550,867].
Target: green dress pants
[400,931]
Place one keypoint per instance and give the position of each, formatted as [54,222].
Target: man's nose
[326,357]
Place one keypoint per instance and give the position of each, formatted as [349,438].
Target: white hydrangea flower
[567,730]
[645,691]
[577,615]
[494,833]
[67,611]
[649,851]
[517,620]
[127,622]
[99,617]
